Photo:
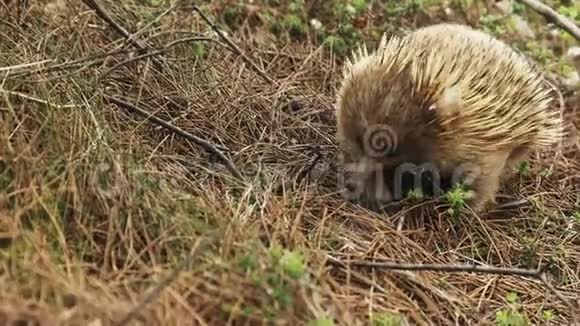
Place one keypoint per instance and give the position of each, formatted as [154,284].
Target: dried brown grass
[97,206]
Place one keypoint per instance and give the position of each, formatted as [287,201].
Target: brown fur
[491,109]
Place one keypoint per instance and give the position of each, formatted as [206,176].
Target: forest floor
[109,218]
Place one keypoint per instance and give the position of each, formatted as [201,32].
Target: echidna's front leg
[484,179]
[513,161]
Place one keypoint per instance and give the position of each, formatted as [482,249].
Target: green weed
[511,316]
[415,195]
[493,24]
[457,198]
[396,8]
[386,319]
[323,321]
[524,168]
[295,26]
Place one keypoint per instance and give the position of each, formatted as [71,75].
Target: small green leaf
[293,264]
[282,296]
[360,5]
[324,321]
[276,252]
[386,319]
[337,44]
[548,315]
[524,168]
[512,297]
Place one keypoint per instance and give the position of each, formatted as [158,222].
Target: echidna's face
[381,148]
[380,166]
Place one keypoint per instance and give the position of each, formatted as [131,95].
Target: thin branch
[118,28]
[95,59]
[25,65]
[534,273]
[554,17]
[234,47]
[152,22]
[302,174]
[37,100]
[100,58]
[199,141]
[158,52]
[130,60]
[194,39]
[559,295]
[537,274]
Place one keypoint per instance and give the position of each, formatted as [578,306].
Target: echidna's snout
[386,165]
[364,183]
[367,174]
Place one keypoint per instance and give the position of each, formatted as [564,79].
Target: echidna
[447,98]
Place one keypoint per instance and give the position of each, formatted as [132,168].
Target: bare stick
[37,100]
[554,17]
[99,58]
[559,295]
[152,22]
[537,274]
[128,61]
[234,47]
[25,65]
[94,59]
[534,273]
[201,142]
[118,28]
[158,51]
[302,174]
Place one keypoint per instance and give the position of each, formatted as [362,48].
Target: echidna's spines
[503,96]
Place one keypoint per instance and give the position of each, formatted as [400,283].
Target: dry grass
[97,205]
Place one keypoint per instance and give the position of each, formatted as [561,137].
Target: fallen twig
[37,100]
[199,141]
[153,22]
[25,65]
[537,274]
[534,273]
[302,174]
[553,16]
[94,60]
[158,52]
[130,60]
[100,58]
[234,47]
[118,28]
